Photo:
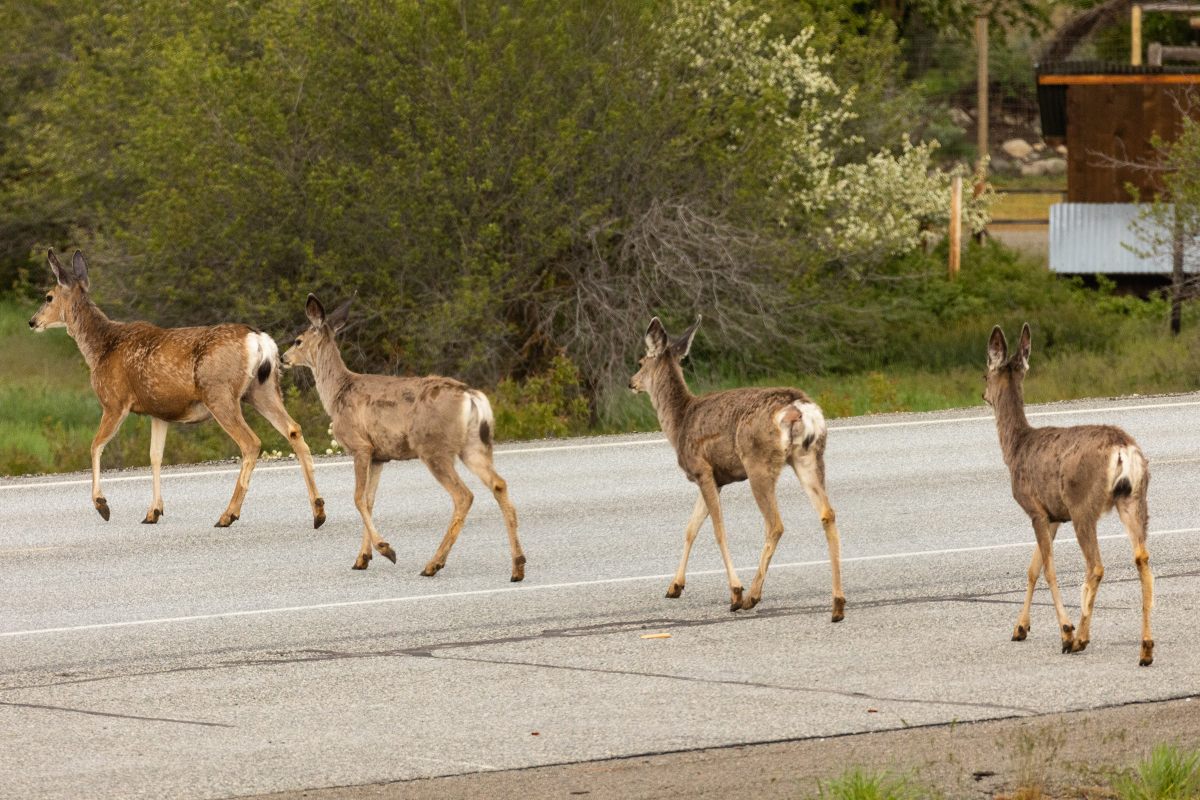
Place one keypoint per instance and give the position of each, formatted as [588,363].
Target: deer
[183,375]
[736,435]
[1076,474]
[382,418]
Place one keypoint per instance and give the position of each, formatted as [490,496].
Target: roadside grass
[1168,774]
[857,784]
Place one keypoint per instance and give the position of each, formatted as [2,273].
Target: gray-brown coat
[736,435]
[381,418]
[1076,475]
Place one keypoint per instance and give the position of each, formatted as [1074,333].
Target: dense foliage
[501,181]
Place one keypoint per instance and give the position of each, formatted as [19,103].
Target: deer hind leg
[267,399]
[1135,517]
[366,482]
[699,514]
[762,484]
[158,441]
[110,422]
[1041,528]
[1085,534]
[227,411]
[810,469]
[711,495]
[479,461]
[1024,626]
[443,470]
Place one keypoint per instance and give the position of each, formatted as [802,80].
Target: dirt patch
[1052,756]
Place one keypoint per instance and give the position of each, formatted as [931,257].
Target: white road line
[258,612]
[596,446]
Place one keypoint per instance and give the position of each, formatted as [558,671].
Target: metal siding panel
[1090,238]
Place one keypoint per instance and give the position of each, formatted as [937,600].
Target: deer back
[400,417]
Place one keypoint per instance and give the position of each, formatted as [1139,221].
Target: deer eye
[49,298]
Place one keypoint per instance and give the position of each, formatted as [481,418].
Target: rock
[1033,169]
[960,118]
[1018,149]
[1061,150]
[1038,147]
[1001,165]
[1054,166]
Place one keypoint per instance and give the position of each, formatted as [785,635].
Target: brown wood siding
[1116,121]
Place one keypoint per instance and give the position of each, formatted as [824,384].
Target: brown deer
[173,375]
[1075,475]
[729,436]
[382,418]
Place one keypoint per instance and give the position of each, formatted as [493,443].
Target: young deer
[380,418]
[173,375]
[1075,475]
[730,436]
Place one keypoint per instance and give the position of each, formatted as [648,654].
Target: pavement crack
[88,712]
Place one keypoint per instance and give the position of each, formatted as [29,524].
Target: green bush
[551,403]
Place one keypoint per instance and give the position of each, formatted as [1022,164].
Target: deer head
[321,329]
[1005,372]
[661,354]
[69,284]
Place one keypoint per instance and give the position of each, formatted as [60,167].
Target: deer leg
[699,514]
[1135,518]
[227,411]
[1085,534]
[443,470]
[1024,626]
[110,421]
[810,469]
[366,481]
[762,484]
[712,499]
[1041,528]
[158,440]
[267,399]
[480,463]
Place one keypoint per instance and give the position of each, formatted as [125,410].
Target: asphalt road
[187,661]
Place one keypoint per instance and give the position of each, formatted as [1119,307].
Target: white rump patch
[260,349]
[1126,462]
[804,431]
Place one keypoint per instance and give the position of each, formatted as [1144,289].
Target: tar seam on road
[833,427]
[531,588]
[43,707]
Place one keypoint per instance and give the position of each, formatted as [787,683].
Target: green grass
[859,785]
[1168,774]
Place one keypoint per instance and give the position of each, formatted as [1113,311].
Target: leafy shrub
[1168,774]
[551,403]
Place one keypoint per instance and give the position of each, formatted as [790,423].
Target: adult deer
[173,375]
[730,436]
[381,418]
[1075,475]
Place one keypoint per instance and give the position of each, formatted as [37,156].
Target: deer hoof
[386,551]
[1078,645]
[518,570]
[318,513]
[431,569]
[750,602]
[226,520]
[362,561]
[735,600]
[1147,653]
[1019,633]
[839,609]
[102,507]
[674,590]
[152,516]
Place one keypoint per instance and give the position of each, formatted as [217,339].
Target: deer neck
[1011,422]
[91,329]
[670,397]
[331,373]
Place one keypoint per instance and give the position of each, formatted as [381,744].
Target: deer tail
[263,355]
[801,424]
[480,416]
[1128,468]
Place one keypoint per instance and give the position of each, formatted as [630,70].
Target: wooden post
[955,225]
[1177,273]
[1135,35]
[981,79]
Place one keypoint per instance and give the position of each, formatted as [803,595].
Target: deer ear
[79,266]
[340,316]
[1024,346]
[315,311]
[60,273]
[997,349]
[656,338]
[683,345]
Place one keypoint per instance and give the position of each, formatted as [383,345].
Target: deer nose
[32,324]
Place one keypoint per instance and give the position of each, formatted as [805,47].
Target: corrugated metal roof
[1090,238]
[1113,68]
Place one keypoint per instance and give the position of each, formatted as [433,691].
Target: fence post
[1135,35]
[955,225]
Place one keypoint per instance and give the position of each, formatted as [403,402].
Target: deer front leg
[110,422]
[1024,625]
[699,514]
[366,481]
[1041,528]
[712,499]
[158,440]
